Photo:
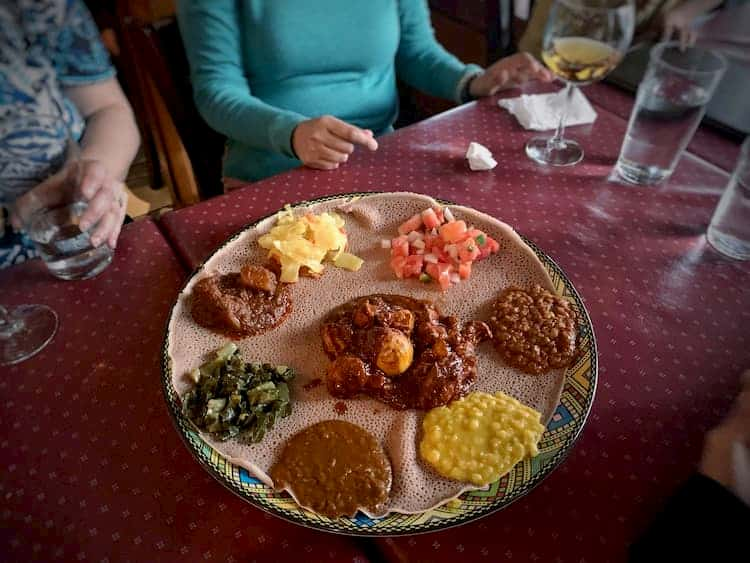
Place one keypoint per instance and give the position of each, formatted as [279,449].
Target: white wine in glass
[584,40]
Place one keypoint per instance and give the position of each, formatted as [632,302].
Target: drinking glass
[669,106]
[52,224]
[583,41]
[729,230]
[24,331]
[50,215]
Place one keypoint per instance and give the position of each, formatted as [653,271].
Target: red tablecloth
[670,315]
[707,143]
[92,468]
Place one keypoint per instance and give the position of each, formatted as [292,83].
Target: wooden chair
[185,153]
[490,19]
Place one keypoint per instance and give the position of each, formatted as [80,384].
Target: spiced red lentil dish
[400,351]
[241,304]
[534,330]
[335,468]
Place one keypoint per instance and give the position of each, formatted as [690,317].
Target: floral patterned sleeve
[77,53]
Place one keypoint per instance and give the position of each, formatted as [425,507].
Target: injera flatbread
[416,487]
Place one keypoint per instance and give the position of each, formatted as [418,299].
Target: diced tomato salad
[432,248]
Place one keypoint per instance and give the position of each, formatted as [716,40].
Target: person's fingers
[105,227]
[49,193]
[115,234]
[337,143]
[97,206]
[331,155]
[119,212]
[499,78]
[521,77]
[544,74]
[350,133]
[93,175]
[323,165]
[531,66]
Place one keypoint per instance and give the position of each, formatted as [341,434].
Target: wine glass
[27,329]
[583,41]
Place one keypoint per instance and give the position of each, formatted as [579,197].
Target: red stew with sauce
[241,304]
[400,351]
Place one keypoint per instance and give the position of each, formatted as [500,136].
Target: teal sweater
[260,67]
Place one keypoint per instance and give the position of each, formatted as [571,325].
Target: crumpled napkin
[541,112]
[480,157]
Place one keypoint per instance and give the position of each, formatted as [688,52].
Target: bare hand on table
[105,195]
[716,461]
[508,73]
[326,142]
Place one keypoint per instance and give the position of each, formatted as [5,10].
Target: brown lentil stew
[534,331]
[335,468]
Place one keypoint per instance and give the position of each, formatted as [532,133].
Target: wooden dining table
[93,468]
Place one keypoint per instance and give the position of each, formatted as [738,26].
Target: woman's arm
[211,34]
[210,31]
[111,135]
[421,61]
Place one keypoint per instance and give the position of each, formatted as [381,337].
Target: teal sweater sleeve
[211,34]
[421,61]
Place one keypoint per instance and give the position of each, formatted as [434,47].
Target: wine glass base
[565,152]
[37,324]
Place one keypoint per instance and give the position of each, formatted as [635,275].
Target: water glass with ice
[669,106]
[729,230]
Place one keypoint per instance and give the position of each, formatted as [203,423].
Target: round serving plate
[561,433]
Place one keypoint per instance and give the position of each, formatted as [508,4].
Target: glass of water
[53,226]
[50,215]
[669,106]
[729,230]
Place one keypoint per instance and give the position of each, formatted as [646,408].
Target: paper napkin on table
[480,157]
[541,112]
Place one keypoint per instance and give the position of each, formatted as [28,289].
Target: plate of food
[379,364]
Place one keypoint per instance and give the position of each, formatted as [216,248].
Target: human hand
[507,73]
[326,142]
[678,23]
[88,180]
[716,461]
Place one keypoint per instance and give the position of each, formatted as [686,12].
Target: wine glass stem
[556,140]
[8,325]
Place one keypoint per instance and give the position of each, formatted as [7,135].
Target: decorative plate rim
[182,426]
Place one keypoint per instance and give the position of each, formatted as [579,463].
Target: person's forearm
[112,138]
[421,61]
